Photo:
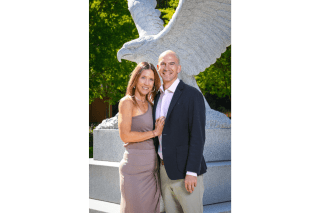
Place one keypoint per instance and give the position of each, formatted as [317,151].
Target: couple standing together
[167,138]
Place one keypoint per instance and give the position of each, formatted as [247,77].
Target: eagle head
[132,50]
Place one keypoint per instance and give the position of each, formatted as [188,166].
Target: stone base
[218,208]
[104,182]
[109,147]
[97,206]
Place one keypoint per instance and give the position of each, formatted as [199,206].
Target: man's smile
[167,72]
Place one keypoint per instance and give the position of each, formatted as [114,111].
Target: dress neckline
[143,113]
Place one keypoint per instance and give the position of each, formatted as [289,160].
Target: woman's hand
[159,126]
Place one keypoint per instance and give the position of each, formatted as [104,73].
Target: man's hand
[190,182]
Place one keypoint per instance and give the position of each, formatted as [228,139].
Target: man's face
[168,68]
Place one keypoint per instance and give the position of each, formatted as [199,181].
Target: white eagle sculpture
[199,31]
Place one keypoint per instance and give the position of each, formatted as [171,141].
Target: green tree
[216,79]
[110,26]
[167,9]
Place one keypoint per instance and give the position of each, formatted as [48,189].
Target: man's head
[168,67]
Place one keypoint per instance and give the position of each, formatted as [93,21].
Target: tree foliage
[216,79]
[110,26]
[167,9]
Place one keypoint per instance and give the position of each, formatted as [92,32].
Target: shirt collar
[173,86]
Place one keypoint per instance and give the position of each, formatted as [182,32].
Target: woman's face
[145,82]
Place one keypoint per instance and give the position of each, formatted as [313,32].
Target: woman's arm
[126,107]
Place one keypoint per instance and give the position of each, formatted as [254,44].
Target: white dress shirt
[162,110]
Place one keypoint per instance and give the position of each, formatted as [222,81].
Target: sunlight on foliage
[167,13]
[216,79]
[110,26]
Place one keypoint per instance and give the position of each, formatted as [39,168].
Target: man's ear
[179,69]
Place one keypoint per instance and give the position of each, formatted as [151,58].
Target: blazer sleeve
[196,128]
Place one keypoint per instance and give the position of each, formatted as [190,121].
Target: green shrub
[90,152]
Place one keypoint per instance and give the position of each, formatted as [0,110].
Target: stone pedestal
[109,147]
[104,186]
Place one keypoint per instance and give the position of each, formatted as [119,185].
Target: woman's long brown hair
[134,76]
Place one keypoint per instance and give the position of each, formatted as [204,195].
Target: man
[180,147]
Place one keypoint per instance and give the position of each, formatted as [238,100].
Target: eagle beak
[122,53]
[129,49]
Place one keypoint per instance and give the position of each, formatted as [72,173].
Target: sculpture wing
[198,32]
[145,16]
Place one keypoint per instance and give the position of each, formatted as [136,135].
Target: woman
[139,184]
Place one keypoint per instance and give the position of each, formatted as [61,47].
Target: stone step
[109,147]
[218,208]
[104,182]
[97,206]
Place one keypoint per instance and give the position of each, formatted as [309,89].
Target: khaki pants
[176,198]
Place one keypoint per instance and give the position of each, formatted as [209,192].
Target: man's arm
[196,127]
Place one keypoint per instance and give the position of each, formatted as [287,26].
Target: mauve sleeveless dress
[139,176]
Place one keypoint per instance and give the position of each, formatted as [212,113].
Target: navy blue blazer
[183,135]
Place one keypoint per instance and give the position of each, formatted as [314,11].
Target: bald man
[180,147]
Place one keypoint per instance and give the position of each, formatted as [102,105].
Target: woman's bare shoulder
[126,101]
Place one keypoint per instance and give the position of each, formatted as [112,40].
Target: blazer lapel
[175,97]
[156,99]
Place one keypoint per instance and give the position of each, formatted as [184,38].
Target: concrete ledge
[218,208]
[103,163]
[97,206]
[217,183]
[104,182]
[109,147]
[95,211]
[218,145]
